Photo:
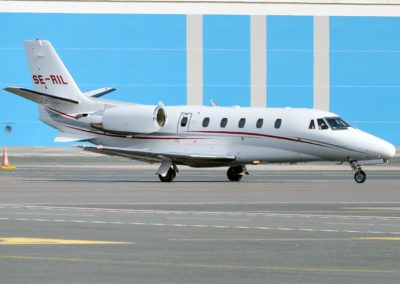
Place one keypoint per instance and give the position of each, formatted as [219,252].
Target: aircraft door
[184,122]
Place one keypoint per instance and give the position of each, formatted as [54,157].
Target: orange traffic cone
[5,165]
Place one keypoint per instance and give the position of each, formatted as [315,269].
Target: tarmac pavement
[68,218]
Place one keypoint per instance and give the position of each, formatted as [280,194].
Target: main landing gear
[360,176]
[167,172]
[169,177]
[236,173]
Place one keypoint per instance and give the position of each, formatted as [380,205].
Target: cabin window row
[241,122]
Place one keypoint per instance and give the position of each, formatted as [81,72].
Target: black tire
[360,176]
[235,173]
[171,174]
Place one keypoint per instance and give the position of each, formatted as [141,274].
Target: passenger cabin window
[322,124]
[242,122]
[206,121]
[337,123]
[278,123]
[312,124]
[184,121]
[259,123]
[224,121]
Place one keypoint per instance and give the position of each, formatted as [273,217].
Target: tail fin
[49,74]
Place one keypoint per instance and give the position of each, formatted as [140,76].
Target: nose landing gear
[360,176]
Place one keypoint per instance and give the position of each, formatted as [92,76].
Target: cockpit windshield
[336,123]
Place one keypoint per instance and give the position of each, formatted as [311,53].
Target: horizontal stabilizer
[99,92]
[40,98]
[72,137]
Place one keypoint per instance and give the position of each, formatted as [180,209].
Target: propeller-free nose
[381,148]
[388,151]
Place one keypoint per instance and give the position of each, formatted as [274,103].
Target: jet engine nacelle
[134,119]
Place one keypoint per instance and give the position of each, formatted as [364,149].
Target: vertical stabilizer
[49,74]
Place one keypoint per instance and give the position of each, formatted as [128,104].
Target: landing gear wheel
[235,173]
[360,176]
[171,174]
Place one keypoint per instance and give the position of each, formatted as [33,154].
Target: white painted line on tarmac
[98,222]
[42,204]
[375,208]
[274,239]
[208,219]
[214,213]
[199,213]
[54,214]
[364,224]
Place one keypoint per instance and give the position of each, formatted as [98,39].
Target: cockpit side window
[322,124]
[312,124]
[337,123]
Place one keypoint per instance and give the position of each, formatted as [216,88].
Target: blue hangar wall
[144,57]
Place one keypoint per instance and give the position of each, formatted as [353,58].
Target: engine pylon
[5,165]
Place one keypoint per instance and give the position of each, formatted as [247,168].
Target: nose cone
[369,147]
[382,148]
[388,151]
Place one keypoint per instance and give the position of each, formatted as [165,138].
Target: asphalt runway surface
[90,219]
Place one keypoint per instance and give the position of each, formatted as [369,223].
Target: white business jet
[196,136]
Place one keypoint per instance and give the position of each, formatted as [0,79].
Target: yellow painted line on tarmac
[38,241]
[378,239]
[204,266]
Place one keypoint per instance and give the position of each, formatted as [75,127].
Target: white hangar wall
[343,58]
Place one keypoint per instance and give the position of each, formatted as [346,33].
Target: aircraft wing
[193,159]
[72,137]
